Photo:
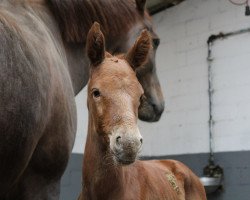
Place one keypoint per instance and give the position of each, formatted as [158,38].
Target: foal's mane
[75,17]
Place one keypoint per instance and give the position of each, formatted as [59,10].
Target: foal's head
[114,94]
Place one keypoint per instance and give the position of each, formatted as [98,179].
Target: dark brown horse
[122,21]
[43,66]
[110,169]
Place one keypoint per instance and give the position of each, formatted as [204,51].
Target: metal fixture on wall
[244,2]
[155,6]
[213,174]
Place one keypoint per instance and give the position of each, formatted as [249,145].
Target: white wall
[182,69]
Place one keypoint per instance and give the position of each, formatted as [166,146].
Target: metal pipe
[210,91]
[210,59]
[222,35]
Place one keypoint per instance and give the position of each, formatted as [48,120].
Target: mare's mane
[75,17]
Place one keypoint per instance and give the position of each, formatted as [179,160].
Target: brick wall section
[182,69]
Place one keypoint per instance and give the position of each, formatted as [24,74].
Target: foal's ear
[140,5]
[138,54]
[95,45]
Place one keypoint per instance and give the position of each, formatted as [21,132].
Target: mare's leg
[41,180]
[15,153]
[36,187]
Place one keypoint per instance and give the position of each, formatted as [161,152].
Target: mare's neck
[77,61]
[78,65]
[101,177]
[74,19]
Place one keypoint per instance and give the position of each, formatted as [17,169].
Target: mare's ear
[140,5]
[138,54]
[95,45]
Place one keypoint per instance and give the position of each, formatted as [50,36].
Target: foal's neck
[99,169]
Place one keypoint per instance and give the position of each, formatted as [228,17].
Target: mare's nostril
[158,108]
[118,139]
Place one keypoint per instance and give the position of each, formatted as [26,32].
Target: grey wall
[236,167]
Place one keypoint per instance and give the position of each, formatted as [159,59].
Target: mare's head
[122,22]
[114,95]
[152,105]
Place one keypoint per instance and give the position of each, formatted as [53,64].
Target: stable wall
[182,132]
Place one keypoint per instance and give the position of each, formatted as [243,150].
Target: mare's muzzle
[150,111]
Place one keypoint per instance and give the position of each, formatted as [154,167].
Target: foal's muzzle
[126,148]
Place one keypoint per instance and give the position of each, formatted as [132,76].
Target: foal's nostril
[118,139]
[141,140]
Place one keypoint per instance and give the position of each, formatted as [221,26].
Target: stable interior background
[183,132]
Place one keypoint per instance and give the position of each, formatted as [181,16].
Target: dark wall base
[72,179]
[236,167]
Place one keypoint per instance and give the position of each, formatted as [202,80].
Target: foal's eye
[156,42]
[96,93]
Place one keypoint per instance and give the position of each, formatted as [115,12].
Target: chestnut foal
[110,168]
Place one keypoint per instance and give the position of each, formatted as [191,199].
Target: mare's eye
[96,93]
[156,42]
